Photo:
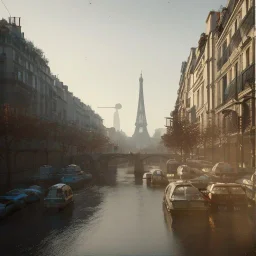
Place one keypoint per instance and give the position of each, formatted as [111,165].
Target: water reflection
[219,234]
[38,230]
[123,217]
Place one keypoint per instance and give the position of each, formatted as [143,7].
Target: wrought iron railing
[235,40]
[248,21]
[243,81]
[248,77]
[224,58]
[230,91]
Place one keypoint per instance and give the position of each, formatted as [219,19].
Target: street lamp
[169,121]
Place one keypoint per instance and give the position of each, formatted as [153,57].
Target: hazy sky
[99,49]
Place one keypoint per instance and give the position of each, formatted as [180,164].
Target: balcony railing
[245,26]
[248,21]
[235,40]
[243,81]
[230,91]
[248,77]
[224,58]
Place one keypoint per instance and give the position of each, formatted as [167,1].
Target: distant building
[28,85]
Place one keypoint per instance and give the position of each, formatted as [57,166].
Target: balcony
[248,77]
[230,91]
[235,40]
[245,80]
[224,58]
[245,26]
[248,22]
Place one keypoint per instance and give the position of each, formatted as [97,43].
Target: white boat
[58,196]
[74,176]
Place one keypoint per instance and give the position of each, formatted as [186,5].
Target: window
[247,54]
[230,35]
[187,192]
[202,122]
[202,95]
[19,76]
[230,75]
[224,85]
[224,46]
[236,25]
[188,103]
[219,53]
[247,5]
[236,70]
[197,98]
[236,190]
[220,190]
[189,81]
[239,17]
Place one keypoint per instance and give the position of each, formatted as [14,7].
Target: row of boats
[17,199]
[71,175]
[185,193]
[182,197]
[57,196]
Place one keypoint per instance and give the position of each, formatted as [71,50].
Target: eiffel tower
[141,137]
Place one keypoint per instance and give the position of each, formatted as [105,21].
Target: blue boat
[74,176]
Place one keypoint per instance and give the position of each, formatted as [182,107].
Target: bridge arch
[138,160]
[109,157]
[165,157]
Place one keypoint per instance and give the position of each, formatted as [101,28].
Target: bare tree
[182,136]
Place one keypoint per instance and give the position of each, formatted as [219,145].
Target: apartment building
[27,83]
[197,74]
[217,84]
[235,76]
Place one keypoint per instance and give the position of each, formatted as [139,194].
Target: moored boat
[158,177]
[74,176]
[58,196]
[181,197]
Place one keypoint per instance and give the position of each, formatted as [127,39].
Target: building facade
[27,83]
[235,78]
[217,85]
[197,76]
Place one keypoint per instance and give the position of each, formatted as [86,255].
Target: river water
[122,218]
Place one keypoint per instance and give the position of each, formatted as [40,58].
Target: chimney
[211,21]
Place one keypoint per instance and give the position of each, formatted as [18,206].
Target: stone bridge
[100,162]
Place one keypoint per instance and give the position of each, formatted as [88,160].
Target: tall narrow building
[141,136]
